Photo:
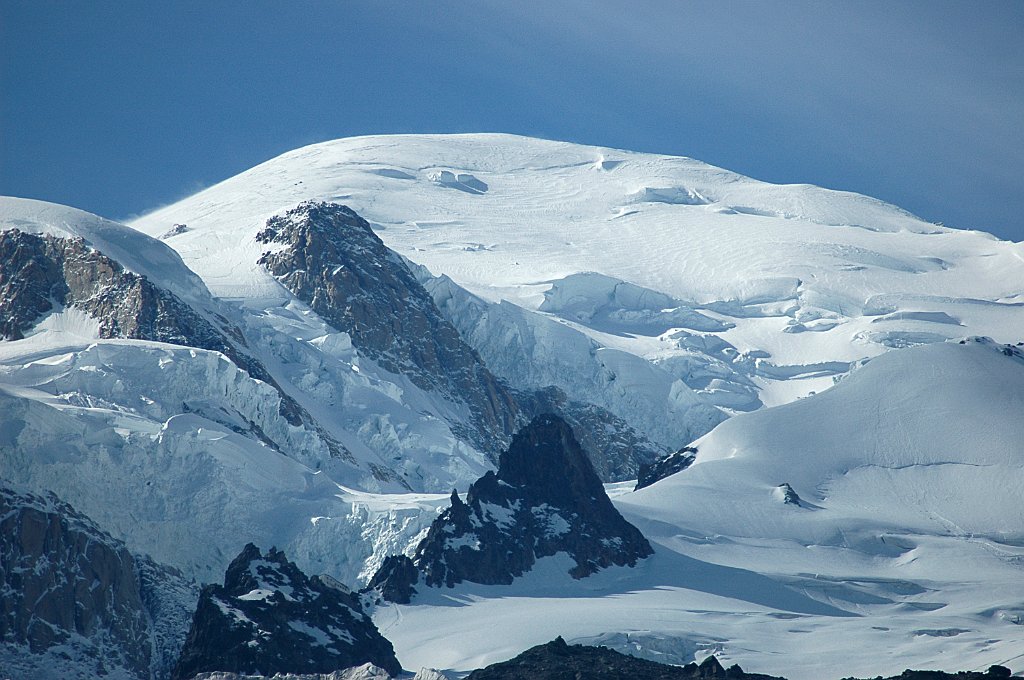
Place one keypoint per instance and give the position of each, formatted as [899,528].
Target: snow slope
[182,454]
[382,419]
[102,422]
[134,251]
[905,550]
[777,286]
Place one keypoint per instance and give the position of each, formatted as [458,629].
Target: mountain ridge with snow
[807,280]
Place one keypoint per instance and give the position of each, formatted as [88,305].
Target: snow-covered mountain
[133,383]
[745,291]
[311,355]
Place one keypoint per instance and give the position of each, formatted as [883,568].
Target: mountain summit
[545,499]
[269,617]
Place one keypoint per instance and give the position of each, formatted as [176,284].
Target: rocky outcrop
[76,602]
[544,499]
[665,467]
[44,273]
[396,579]
[30,280]
[329,258]
[614,447]
[269,617]
[39,273]
[365,672]
[788,495]
[557,660]
[992,673]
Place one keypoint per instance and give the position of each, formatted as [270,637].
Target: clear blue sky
[118,107]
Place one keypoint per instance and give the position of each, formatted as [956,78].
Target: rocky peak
[395,580]
[76,603]
[615,448]
[329,257]
[546,460]
[665,467]
[544,499]
[788,495]
[557,659]
[273,573]
[269,617]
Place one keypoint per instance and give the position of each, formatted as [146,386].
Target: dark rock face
[37,272]
[396,579]
[992,673]
[557,660]
[615,449]
[544,499]
[74,595]
[789,496]
[336,264]
[364,672]
[665,466]
[29,281]
[269,617]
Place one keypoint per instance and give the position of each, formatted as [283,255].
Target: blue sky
[118,107]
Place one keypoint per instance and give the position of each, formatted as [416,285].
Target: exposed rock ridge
[545,499]
[614,447]
[269,617]
[329,257]
[556,660]
[665,466]
[365,672]
[76,602]
[992,673]
[42,273]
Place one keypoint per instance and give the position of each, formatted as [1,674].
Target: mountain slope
[198,409]
[906,540]
[794,282]
[329,258]
[640,295]
[923,439]
[186,409]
